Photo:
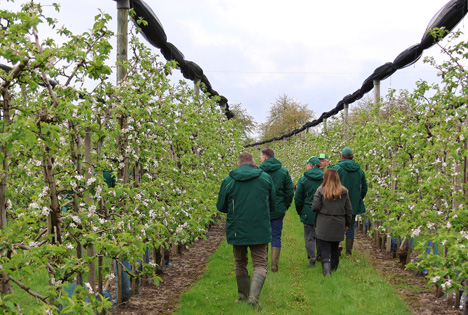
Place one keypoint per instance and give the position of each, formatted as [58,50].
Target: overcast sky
[257,50]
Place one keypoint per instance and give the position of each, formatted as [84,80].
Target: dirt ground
[191,264]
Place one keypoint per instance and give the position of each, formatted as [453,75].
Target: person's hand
[346,228]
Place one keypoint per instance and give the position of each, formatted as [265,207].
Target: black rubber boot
[243,288]
[255,289]
[334,264]
[326,267]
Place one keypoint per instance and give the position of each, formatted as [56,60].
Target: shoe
[334,264]
[312,263]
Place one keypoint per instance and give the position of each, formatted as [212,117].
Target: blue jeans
[276,229]
[350,232]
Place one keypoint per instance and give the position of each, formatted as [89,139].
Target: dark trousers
[350,232]
[276,229]
[329,250]
[309,237]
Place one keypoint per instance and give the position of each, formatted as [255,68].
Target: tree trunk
[5,286]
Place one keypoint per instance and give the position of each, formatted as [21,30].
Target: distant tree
[387,107]
[286,115]
[246,120]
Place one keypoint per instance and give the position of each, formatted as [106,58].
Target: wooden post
[89,173]
[122,48]
[376,91]
[196,87]
[346,122]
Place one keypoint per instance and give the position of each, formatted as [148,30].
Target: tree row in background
[92,172]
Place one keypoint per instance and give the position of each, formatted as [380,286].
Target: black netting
[207,84]
[357,95]
[153,31]
[170,52]
[448,17]
[368,84]
[408,57]
[191,71]
[155,35]
[384,71]
[213,92]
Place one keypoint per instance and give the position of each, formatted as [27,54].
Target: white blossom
[435,279]
[34,205]
[45,211]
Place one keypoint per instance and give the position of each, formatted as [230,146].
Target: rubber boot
[326,267]
[275,254]
[255,289]
[334,264]
[349,246]
[243,288]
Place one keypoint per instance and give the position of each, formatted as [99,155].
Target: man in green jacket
[305,191]
[284,195]
[247,195]
[354,179]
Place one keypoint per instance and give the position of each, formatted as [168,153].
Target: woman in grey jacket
[334,216]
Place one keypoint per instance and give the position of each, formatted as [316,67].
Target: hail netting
[448,17]
[154,33]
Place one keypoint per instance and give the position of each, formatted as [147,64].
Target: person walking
[247,195]
[284,195]
[305,191]
[354,179]
[324,165]
[334,216]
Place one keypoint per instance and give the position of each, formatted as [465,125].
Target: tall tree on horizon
[285,115]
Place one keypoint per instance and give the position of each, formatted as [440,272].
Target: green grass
[355,288]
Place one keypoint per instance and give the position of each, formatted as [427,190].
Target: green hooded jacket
[247,195]
[283,184]
[354,179]
[305,190]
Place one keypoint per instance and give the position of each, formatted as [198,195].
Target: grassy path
[354,289]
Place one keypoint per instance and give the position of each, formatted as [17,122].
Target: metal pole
[376,91]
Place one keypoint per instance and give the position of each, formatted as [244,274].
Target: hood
[245,172]
[315,174]
[349,165]
[270,165]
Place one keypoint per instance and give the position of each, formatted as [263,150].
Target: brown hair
[331,186]
[245,158]
[269,153]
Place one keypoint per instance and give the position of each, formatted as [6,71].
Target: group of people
[327,199]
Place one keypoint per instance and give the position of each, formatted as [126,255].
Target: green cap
[313,160]
[346,151]
[322,156]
